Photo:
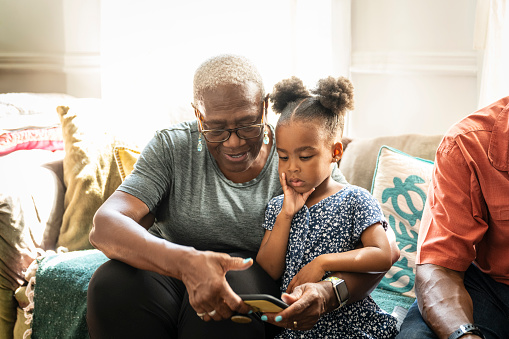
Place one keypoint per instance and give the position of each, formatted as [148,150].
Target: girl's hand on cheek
[294,200]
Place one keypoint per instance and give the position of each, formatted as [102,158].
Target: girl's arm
[375,256]
[271,256]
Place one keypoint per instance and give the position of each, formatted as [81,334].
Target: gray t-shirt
[194,203]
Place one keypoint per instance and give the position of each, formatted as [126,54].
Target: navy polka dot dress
[334,225]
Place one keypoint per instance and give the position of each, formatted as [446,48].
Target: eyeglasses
[222,135]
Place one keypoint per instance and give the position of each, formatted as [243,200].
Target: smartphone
[264,302]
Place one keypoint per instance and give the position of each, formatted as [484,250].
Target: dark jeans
[491,309]
[125,302]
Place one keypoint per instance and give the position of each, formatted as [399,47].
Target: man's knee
[107,279]
[126,302]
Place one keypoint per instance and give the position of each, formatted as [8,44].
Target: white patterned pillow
[400,184]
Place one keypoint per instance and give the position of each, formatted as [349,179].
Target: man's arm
[120,232]
[443,300]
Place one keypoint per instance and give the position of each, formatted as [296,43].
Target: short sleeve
[454,194]
[367,213]
[151,177]
[271,212]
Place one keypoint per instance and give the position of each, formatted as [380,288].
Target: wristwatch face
[340,289]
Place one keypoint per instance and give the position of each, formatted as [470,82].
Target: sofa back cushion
[359,159]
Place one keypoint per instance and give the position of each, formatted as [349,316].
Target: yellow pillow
[91,129]
[125,158]
[90,173]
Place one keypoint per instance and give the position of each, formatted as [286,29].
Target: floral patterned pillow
[400,184]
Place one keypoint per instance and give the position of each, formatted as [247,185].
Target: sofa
[50,189]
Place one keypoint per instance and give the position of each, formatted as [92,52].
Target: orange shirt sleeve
[454,217]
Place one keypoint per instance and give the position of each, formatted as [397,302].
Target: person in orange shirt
[462,274]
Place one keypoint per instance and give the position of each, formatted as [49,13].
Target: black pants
[491,308]
[125,302]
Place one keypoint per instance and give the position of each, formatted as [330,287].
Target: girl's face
[305,154]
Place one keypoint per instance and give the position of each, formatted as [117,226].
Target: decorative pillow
[31,138]
[91,129]
[359,159]
[400,184]
[90,173]
[29,121]
[125,158]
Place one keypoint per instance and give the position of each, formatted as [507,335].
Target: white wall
[413,65]
[152,62]
[50,46]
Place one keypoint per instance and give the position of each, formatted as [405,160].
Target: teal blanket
[61,294]
[60,299]
[388,299]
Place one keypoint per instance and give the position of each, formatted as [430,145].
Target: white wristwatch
[339,287]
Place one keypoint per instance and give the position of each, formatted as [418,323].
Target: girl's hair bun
[287,91]
[335,94]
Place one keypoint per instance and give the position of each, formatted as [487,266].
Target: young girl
[317,226]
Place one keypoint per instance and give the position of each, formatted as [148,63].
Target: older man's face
[228,107]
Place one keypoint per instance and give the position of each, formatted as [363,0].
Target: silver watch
[339,287]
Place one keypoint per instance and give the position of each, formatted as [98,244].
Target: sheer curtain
[150,49]
[492,39]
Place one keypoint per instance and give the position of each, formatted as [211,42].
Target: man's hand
[308,302]
[209,293]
